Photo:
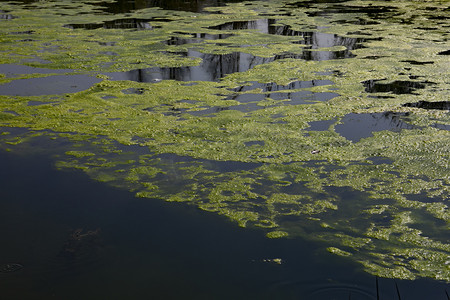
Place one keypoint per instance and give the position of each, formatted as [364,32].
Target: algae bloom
[321,121]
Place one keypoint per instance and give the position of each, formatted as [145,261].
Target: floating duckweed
[239,216]
[201,133]
[140,173]
[338,251]
[277,234]
[184,196]
[377,209]
[399,272]
[103,177]
[439,210]
[353,242]
[80,154]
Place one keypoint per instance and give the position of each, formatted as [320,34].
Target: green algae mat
[322,121]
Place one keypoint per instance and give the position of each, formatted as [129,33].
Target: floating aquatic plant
[238,144]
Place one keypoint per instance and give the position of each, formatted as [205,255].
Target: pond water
[224,149]
[144,248]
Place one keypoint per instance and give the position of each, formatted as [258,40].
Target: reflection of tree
[194,5]
[439,105]
[4,16]
[216,66]
[395,120]
[115,24]
[315,40]
[396,87]
[213,68]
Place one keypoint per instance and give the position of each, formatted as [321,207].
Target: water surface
[225,149]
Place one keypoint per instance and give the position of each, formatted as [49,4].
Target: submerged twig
[398,291]
[378,292]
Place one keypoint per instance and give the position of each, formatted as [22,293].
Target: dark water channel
[66,236]
[78,239]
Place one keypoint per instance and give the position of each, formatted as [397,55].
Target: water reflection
[273,87]
[312,39]
[334,7]
[259,91]
[120,24]
[123,6]
[212,68]
[439,105]
[395,87]
[4,15]
[216,66]
[255,96]
[358,126]
[294,93]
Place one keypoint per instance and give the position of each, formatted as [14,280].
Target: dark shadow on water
[418,63]
[439,105]
[444,52]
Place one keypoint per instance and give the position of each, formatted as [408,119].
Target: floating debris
[81,244]
[277,261]
[9,268]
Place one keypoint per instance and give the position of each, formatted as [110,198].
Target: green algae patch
[338,251]
[277,234]
[242,145]
[80,153]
